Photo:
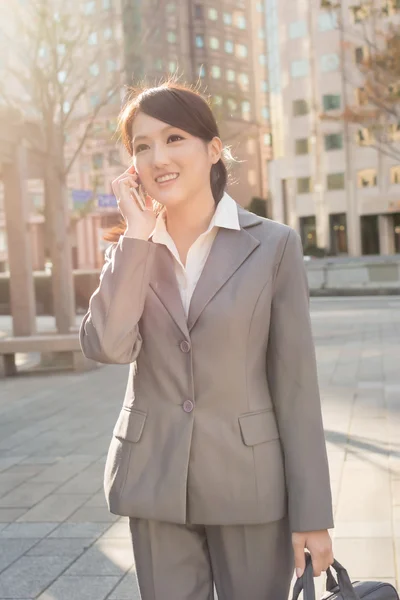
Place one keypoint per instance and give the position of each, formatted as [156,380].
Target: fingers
[298,542]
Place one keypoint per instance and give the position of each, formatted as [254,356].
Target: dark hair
[181,106]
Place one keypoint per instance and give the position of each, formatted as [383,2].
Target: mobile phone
[139,194]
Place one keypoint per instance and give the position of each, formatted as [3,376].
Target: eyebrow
[141,137]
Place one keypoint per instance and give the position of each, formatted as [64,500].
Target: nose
[160,155]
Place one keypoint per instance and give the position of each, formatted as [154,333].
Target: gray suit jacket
[221,421]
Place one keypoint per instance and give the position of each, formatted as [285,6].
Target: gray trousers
[182,562]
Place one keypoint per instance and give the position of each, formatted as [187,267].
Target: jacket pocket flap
[258,427]
[129,425]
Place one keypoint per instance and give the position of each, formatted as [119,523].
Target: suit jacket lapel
[165,285]
[230,249]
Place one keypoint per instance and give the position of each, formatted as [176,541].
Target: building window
[327,21]
[331,102]
[335,181]
[230,75]
[213,14]
[267,139]
[198,11]
[97,160]
[308,232]
[106,4]
[227,18]
[199,41]
[241,50]
[261,34]
[329,62]
[265,113]
[360,54]
[301,146]
[172,66]
[333,141]
[94,69]
[264,86]
[112,65]
[92,39]
[260,7]
[246,108]
[229,47]
[171,37]
[364,137]
[241,21]
[300,108]
[232,105]
[338,230]
[113,158]
[361,96]
[90,7]
[395,175]
[218,100]
[214,43]
[262,59]
[297,29]
[360,13]
[244,81]
[108,33]
[94,100]
[158,64]
[367,178]
[216,72]
[303,185]
[299,68]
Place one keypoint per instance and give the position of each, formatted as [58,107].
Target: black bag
[343,589]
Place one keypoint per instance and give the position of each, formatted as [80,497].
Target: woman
[218,455]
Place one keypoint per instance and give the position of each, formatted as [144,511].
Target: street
[57,539]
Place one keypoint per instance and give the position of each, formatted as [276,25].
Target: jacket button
[185,346]
[188,406]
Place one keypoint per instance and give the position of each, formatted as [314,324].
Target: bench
[66,345]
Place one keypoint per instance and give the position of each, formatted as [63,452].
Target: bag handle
[306,582]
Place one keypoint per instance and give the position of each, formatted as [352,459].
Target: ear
[215,149]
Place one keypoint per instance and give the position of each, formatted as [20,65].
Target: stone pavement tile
[105,557]
[128,589]
[39,460]
[118,530]
[396,522]
[97,500]
[79,530]
[363,529]
[27,530]
[27,495]
[80,588]
[10,550]
[373,431]
[369,558]
[8,515]
[84,483]
[60,472]
[29,576]
[7,462]
[61,547]
[55,508]
[9,482]
[92,513]
[396,492]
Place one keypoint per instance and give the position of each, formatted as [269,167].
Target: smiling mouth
[170,180]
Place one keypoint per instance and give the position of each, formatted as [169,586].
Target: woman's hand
[319,544]
[140,223]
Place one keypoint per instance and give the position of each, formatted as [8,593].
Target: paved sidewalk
[57,539]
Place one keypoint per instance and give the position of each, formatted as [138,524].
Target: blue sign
[81,196]
[106,201]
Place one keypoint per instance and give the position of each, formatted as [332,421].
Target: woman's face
[162,149]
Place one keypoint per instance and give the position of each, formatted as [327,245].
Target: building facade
[327,178]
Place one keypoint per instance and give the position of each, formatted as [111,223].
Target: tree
[374,42]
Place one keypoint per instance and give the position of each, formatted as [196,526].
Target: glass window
[198,11]
[360,54]
[113,158]
[227,18]
[108,33]
[112,65]
[261,34]
[241,21]
[229,47]
[267,139]
[301,146]
[395,175]
[246,110]
[213,14]
[335,181]
[218,100]
[327,21]
[171,7]
[158,63]
[334,141]
[214,43]
[265,112]
[230,75]
[215,72]
[260,7]
[232,104]
[94,100]
[262,59]
[106,4]
[94,69]
[367,178]
[61,49]
[171,37]
[360,12]
[361,96]
[300,108]
[297,29]
[299,68]
[303,185]
[330,62]
[97,160]
[308,231]
[241,50]
[331,101]
[264,86]
[62,76]
[364,136]
[92,39]
[172,66]
[244,81]
[90,7]
[199,41]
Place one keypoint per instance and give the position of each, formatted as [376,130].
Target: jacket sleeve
[109,332]
[293,383]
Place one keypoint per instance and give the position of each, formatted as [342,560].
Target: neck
[190,219]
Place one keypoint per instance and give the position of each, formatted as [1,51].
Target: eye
[175,135]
